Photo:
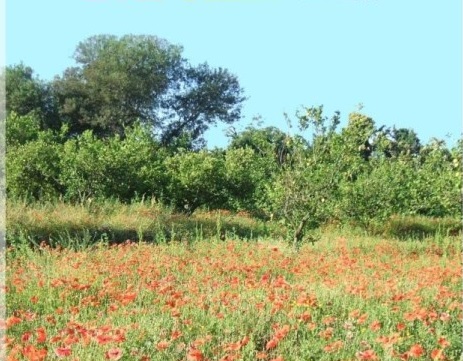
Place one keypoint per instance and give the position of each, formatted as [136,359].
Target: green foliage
[352,176]
[269,142]
[134,114]
[196,179]
[404,142]
[207,95]
[33,169]
[135,111]
[112,168]
[21,129]
[438,182]
[247,174]
[358,141]
[115,81]
[28,95]
[305,191]
[121,80]
[377,194]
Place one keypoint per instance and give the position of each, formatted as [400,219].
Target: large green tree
[118,81]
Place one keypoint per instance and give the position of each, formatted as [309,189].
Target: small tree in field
[304,193]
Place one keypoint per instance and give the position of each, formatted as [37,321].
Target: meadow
[346,297]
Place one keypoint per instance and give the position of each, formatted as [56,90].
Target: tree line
[129,120]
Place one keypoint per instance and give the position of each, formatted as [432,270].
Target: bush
[247,174]
[33,169]
[21,129]
[377,194]
[112,168]
[196,179]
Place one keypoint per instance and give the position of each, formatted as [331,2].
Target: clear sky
[402,59]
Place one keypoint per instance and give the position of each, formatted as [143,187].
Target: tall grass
[60,223]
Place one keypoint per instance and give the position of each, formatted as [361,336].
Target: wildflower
[443,342]
[114,354]
[103,339]
[41,335]
[271,344]
[306,316]
[332,347]
[175,334]
[162,345]
[416,351]
[362,318]
[328,320]
[195,355]
[13,320]
[437,354]
[366,355]
[233,346]
[26,336]
[34,354]
[327,334]
[282,332]
[244,341]
[128,297]
[375,325]
[444,316]
[63,351]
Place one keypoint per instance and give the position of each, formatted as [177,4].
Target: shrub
[33,169]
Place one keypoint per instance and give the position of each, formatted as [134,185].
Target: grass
[79,226]
[419,227]
[347,297]
[82,225]
[223,286]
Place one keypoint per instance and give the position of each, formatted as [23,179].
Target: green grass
[82,225]
[60,223]
[419,227]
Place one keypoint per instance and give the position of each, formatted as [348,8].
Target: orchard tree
[196,179]
[358,135]
[33,169]
[304,193]
[118,81]
[269,142]
[112,168]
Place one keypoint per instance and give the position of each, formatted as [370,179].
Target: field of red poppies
[344,298]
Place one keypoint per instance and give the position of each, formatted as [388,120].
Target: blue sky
[401,59]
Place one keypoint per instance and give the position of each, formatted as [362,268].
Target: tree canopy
[118,81]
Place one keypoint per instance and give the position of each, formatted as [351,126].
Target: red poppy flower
[195,355]
[416,351]
[63,351]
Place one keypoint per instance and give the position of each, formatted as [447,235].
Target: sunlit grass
[60,223]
